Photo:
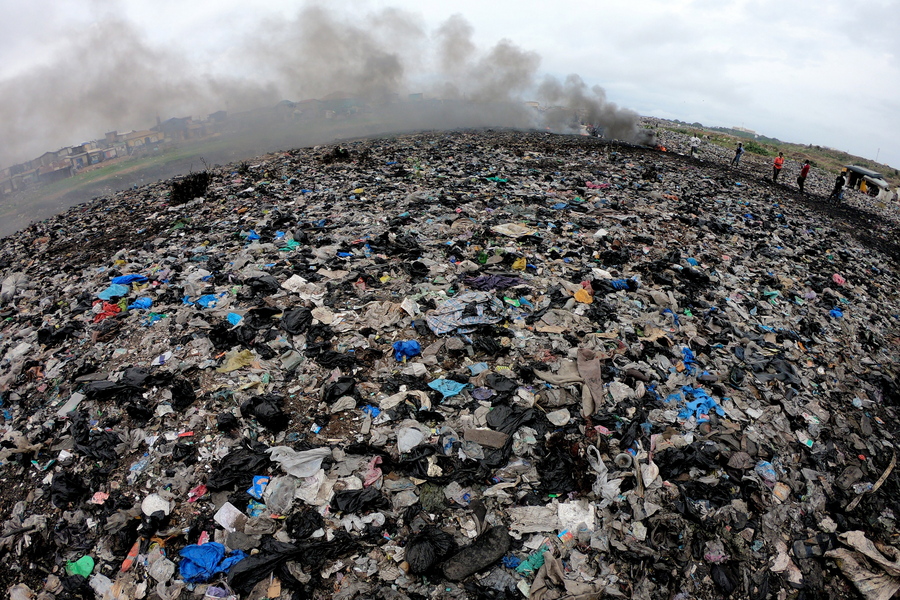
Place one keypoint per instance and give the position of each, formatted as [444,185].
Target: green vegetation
[822,157]
[751,146]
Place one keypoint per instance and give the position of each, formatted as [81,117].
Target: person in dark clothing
[838,192]
[801,178]
[738,153]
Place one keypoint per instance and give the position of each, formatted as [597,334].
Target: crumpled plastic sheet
[463,311]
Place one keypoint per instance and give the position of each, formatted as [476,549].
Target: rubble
[468,364]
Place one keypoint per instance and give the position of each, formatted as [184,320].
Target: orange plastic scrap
[582,295]
[132,556]
[672,197]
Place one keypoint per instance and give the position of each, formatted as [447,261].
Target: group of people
[778,165]
[837,192]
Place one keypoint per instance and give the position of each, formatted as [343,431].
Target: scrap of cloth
[464,311]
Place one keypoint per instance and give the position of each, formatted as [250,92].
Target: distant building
[744,130]
[176,129]
[138,139]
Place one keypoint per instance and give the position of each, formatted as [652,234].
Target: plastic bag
[428,547]
[199,564]
[296,321]
[406,349]
[238,468]
[303,463]
[303,524]
[344,386]
[67,488]
[355,501]
[267,410]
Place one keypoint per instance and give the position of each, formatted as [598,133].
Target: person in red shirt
[801,178]
[776,168]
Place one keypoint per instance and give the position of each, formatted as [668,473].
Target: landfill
[471,364]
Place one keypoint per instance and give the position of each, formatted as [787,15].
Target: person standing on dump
[838,190]
[738,153]
[695,146]
[801,178]
[777,166]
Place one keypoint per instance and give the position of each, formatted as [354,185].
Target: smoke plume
[110,77]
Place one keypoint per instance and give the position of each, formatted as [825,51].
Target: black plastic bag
[274,555]
[237,468]
[267,410]
[296,321]
[67,488]
[182,394]
[186,453]
[139,413]
[428,547]
[488,345]
[303,524]
[264,284]
[501,383]
[355,501]
[508,420]
[95,444]
[723,579]
[344,386]
[226,422]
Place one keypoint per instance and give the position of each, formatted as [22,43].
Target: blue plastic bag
[447,387]
[132,278]
[406,349]
[141,303]
[114,290]
[199,564]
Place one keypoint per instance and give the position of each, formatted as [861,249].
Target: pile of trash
[479,364]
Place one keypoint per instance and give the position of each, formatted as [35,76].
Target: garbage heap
[480,364]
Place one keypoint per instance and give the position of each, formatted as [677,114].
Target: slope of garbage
[479,364]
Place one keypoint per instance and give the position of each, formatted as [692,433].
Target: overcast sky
[822,72]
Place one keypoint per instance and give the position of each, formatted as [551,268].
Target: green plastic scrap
[84,566]
[533,563]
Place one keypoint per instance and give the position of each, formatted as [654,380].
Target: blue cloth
[141,303]
[702,404]
[252,235]
[406,349]
[234,318]
[447,387]
[115,289]
[199,564]
[690,363]
[374,411]
[209,300]
[836,313]
[126,279]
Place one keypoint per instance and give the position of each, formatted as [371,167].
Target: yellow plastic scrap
[237,360]
[357,191]
[520,264]
[582,295]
